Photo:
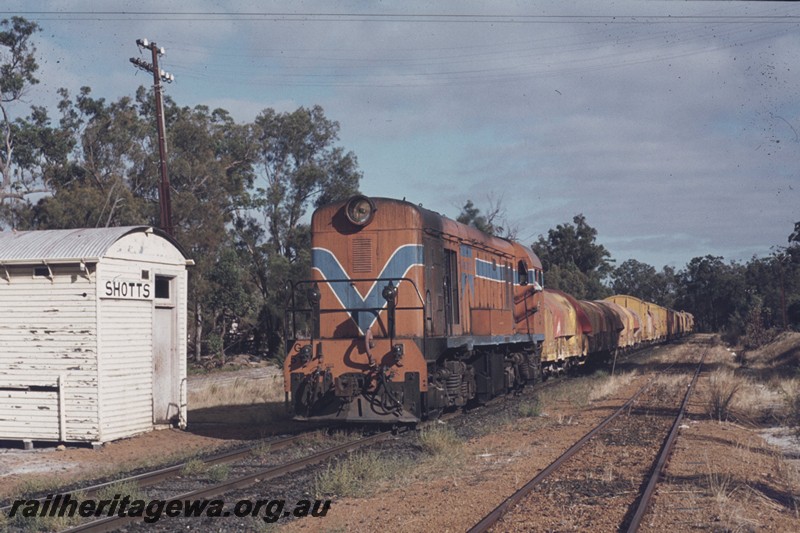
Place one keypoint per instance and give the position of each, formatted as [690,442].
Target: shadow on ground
[243,422]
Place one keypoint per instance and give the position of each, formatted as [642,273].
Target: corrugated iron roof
[59,245]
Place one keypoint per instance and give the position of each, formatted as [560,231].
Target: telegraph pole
[164,203]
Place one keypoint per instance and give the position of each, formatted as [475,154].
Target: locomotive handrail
[357,280]
[292,309]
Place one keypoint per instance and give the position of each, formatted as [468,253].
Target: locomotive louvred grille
[362,255]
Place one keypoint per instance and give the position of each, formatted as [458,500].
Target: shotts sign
[121,289]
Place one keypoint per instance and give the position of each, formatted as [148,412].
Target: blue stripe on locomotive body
[490,271]
[398,265]
[486,270]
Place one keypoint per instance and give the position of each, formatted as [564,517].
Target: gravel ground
[597,489]
[722,477]
[493,465]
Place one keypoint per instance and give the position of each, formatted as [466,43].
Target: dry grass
[564,420]
[218,473]
[722,387]
[608,386]
[748,400]
[666,388]
[531,408]
[197,467]
[576,391]
[760,402]
[720,487]
[241,391]
[194,467]
[358,474]
[440,440]
[123,488]
[35,486]
[41,523]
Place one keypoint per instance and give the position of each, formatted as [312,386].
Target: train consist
[409,313]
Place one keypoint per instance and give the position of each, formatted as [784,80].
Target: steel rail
[113,523]
[666,450]
[155,476]
[495,515]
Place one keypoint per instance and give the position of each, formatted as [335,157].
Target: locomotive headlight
[314,295]
[304,355]
[360,210]
[390,293]
[398,352]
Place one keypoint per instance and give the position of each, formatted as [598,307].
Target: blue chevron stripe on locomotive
[398,265]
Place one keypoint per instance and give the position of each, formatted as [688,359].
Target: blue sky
[674,127]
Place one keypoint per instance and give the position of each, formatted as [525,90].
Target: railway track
[156,477]
[146,479]
[524,501]
[168,474]
[113,523]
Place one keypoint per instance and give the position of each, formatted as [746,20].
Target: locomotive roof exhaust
[360,210]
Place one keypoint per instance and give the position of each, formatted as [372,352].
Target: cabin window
[41,272]
[522,273]
[451,287]
[163,287]
[509,275]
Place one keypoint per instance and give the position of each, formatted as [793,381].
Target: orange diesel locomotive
[407,313]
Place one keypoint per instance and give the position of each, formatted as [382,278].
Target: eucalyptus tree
[210,166]
[18,179]
[110,177]
[644,281]
[714,291]
[493,222]
[95,184]
[299,166]
[635,278]
[572,259]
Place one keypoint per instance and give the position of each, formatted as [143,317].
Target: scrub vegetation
[241,193]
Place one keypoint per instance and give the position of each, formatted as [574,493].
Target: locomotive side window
[522,273]
[428,313]
[509,275]
[451,286]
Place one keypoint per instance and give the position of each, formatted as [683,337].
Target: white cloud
[676,138]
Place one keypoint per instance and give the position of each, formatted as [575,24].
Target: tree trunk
[198,331]
[222,343]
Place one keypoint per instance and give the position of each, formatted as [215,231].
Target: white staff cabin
[92,334]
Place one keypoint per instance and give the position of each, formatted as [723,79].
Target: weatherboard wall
[129,380]
[77,356]
[48,355]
